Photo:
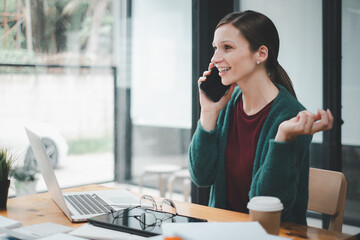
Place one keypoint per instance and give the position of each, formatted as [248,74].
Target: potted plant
[6,162]
[25,181]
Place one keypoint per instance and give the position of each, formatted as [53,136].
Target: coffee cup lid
[265,204]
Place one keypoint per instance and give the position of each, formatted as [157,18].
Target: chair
[327,193]
[183,175]
[161,170]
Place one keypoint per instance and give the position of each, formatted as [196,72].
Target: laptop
[78,206]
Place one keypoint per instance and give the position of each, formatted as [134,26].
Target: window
[56,77]
[160,84]
[350,88]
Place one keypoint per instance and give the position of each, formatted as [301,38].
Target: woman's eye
[214,48]
[227,47]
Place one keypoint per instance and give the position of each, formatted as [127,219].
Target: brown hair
[259,30]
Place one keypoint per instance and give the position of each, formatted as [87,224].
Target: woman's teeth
[223,69]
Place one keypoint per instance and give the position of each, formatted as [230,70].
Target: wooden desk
[40,208]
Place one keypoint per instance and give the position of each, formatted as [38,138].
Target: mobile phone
[212,86]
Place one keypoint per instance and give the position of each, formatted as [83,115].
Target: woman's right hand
[210,110]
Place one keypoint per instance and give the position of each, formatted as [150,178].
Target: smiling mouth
[224,69]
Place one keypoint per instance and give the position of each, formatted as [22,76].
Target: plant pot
[4,190]
[24,188]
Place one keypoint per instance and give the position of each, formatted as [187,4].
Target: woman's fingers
[324,120]
[310,117]
[206,73]
[325,123]
[305,123]
[312,123]
[300,125]
[331,119]
[203,78]
[211,65]
[318,115]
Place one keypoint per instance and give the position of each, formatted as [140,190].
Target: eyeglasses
[167,205]
[148,214]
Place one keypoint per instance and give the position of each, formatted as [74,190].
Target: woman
[255,140]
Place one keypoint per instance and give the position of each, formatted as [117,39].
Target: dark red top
[243,136]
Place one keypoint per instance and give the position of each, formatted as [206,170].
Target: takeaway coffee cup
[267,211]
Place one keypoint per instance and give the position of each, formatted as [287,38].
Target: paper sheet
[9,223]
[217,230]
[90,231]
[36,231]
[61,236]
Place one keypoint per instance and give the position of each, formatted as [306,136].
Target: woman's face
[232,55]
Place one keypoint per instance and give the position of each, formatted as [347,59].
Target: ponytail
[280,76]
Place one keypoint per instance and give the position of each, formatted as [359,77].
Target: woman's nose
[216,57]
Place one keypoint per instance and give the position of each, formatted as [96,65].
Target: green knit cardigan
[280,169]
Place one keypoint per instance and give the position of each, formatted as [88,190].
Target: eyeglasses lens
[148,202]
[147,221]
[168,206]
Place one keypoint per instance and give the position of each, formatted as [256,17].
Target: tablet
[139,221]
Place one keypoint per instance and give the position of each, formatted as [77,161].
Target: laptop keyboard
[88,204]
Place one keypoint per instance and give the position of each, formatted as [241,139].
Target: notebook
[78,206]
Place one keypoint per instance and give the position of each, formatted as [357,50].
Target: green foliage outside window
[58,28]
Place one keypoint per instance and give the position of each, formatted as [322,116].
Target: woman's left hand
[304,123]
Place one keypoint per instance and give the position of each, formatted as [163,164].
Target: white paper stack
[36,231]
[9,223]
[218,230]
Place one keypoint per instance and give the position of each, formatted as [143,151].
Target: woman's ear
[262,54]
